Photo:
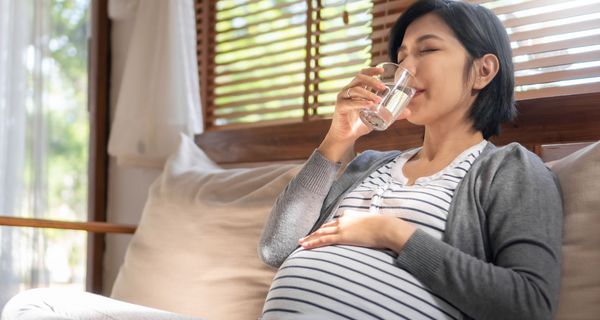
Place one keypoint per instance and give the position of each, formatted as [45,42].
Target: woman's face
[436,58]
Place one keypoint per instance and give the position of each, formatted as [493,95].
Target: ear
[486,69]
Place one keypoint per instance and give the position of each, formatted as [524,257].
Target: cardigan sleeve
[522,206]
[296,209]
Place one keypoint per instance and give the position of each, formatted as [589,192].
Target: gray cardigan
[500,254]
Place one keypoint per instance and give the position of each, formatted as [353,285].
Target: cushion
[579,175]
[195,250]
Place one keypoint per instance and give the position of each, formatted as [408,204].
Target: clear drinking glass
[394,98]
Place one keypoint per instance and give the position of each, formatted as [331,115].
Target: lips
[418,92]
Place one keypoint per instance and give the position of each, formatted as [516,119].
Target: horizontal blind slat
[551,31]
[258,78]
[558,91]
[260,44]
[554,15]
[329,91]
[557,45]
[258,90]
[261,123]
[241,114]
[340,51]
[347,75]
[380,47]
[338,16]
[391,7]
[273,7]
[260,56]
[387,21]
[238,4]
[519,6]
[558,76]
[260,33]
[259,67]
[286,16]
[343,40]
[246,102]
[356,62]
[559,60]
[380,34]
[338,28]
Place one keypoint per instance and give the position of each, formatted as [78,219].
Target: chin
[415,119]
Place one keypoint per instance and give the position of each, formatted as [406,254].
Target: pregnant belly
[346,282]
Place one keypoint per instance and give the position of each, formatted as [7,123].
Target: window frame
[99,109]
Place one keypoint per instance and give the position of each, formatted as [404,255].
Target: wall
[127,186]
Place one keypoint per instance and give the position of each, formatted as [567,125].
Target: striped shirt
[349,282]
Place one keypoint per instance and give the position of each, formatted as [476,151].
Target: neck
[443,142]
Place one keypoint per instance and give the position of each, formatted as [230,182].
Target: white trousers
[62,304]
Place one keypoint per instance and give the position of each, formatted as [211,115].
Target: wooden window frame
[99,110]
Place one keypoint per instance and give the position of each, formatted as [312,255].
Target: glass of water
[394,98]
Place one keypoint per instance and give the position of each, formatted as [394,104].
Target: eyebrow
[421,39]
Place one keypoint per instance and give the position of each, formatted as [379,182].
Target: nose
[409,64]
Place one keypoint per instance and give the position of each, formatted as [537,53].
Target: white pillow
[579,175]
[195,250]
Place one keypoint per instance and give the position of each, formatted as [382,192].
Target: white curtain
[159,95]
[23,27]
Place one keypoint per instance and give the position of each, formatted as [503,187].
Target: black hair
[480,32]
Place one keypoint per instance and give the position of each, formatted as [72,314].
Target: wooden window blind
[270,63]
[556,43]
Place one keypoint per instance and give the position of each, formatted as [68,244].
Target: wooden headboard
[565,119]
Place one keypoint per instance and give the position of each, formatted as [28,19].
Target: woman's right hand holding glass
[346,126]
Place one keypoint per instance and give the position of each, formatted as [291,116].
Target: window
[50,133]
[278,62]
[44,141]
[555,45]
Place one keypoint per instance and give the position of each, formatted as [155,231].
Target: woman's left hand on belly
[360,229]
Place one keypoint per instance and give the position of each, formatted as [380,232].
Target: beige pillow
[579,175]
[195,250]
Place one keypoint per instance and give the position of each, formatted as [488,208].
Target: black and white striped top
[348,282]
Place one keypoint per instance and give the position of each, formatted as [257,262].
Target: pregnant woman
[455,229]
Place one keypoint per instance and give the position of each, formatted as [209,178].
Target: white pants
[61,304]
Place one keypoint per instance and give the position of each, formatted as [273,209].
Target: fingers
[363,80]
[319,242]
[324,235]
[331,223]
[371,71]
[362,93]
[323,230]
[364,84]
[351,105]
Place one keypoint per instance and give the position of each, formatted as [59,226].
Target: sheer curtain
[12,122]
[23,26]
[159,94]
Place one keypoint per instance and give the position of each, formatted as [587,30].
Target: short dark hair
[480,32]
